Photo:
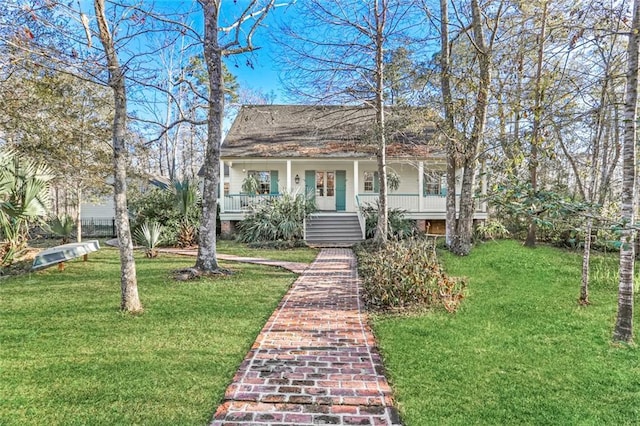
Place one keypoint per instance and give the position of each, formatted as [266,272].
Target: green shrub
[176,209]
[62,226]
[277,218]
[406,275]
[149,234]
[399,226]
[24,189]
[492,230]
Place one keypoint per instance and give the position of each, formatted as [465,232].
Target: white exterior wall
[102,209]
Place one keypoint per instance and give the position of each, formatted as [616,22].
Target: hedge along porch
[327,151]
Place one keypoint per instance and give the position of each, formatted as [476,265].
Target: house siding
[102,209]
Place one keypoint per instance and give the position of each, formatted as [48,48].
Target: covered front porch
[337,185]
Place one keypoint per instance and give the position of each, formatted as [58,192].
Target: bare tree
[623,331]
[464,145]
[130,301]
[537,118]
[62,41]
[591,102]
[449,127]
[221,39]
[335,52]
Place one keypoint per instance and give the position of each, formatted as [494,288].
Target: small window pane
[330,183]
[319,184]
[264,180]
[435,183]
[368,181]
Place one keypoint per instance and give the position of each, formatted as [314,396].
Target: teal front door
[310,183]
[341,190]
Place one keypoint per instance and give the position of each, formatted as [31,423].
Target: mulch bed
[22,264]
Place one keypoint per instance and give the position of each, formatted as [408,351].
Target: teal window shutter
[274,182]
[376,182]
[310,183]
[443,185]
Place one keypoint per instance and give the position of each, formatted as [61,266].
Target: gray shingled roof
[293,131]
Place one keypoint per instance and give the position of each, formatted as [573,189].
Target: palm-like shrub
[276,219]
[399,226]
[176,208]
[393,181]
[149,235]
[186,199]
[250,185]
[24,187]
[62,226]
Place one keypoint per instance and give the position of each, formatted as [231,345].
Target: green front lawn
[68,356]
[300,254]
[520,350]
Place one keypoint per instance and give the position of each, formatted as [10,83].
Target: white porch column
[289,176]
[356,183]
[420,185]
[221,194]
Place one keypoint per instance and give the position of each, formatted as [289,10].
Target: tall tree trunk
[462,244]
[79,215]
[207,258]
[452,154]
[382,228]
[537,117]
[623,331]
[167,119]
[584,288]
[130,301]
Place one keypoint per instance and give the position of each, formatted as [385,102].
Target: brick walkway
[314,361]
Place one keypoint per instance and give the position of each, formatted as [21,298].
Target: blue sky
[257,70]
[262,75]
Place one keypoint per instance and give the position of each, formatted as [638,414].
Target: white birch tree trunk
[623,331]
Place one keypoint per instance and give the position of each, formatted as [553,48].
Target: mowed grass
[69,357]
[299,254]
[520,350]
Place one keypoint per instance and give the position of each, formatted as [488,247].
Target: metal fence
[91,228]
[98,227]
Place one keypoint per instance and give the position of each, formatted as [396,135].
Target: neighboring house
[103,208]
[329,151]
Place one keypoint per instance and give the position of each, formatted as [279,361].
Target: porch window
[319,184]
[264,180]
[371,182]
[331,184]
[435,183]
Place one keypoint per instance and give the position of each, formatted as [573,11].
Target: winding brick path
[314,361]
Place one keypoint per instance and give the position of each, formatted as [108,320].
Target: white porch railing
[408,202]
[413,203]
[242,202]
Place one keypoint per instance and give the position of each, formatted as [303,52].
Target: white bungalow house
[328,151]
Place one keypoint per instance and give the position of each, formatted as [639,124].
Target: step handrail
[361,219]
